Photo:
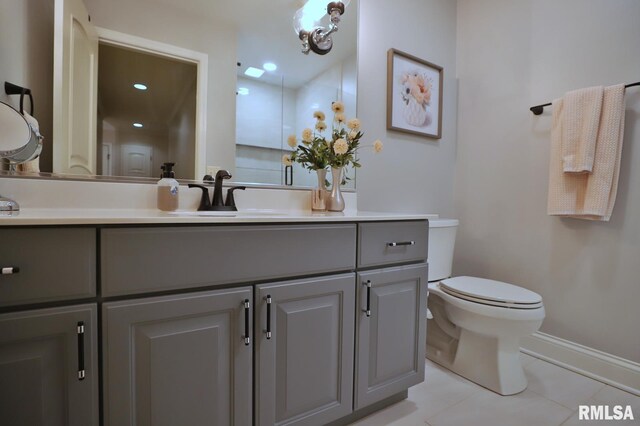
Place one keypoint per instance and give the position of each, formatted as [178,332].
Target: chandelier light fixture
[308,25]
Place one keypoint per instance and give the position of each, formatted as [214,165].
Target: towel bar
[14,89]
[537,110]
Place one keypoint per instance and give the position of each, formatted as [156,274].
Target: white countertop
[52,202]
[83,216]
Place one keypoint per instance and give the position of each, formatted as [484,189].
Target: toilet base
[490,362]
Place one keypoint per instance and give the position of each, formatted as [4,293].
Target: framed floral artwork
[414,95]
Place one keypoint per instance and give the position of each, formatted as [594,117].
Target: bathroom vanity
[267,320]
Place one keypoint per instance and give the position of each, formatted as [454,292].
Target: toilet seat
[490,292]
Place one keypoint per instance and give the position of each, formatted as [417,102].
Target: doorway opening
[146,112]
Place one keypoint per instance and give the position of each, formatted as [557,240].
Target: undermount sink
[268,213]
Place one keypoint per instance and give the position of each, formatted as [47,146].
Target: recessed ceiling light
[140,86]
[138,125]
[269,66]
[254,72]
[243,91]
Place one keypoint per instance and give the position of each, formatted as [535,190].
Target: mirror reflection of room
[146,113]
[278,106]
[233,131]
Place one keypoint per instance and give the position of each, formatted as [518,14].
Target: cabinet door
[304,370]
[178,360]
[48,373]
[390,341]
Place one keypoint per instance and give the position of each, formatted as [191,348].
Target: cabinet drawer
[138,260]
[54,264]
[384,243]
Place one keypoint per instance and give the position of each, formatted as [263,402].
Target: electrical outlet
[212,170]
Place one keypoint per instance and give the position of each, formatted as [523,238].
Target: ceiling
[265,34]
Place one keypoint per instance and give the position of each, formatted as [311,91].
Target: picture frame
[414,95]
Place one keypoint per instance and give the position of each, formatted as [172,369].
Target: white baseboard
[598,365]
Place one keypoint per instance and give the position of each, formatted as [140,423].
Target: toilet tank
[442,238]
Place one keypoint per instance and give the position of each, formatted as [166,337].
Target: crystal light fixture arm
[319,39]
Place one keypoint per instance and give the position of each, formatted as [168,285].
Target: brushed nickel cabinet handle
[80,331]
[401,243]
[10,270]
[247,306]
[268,331]
[367,310]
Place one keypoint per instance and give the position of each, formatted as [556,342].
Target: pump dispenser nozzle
[167,170]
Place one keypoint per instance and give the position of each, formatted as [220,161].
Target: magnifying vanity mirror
[20,142]
[206,85]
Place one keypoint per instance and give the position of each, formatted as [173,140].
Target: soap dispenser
[168,189]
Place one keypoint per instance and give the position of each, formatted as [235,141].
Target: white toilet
[476,324]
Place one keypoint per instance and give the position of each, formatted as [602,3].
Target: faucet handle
[231,202]
[208,179]
[205,203]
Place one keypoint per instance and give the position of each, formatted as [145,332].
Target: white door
[136,160]
[75,89]
[106,159]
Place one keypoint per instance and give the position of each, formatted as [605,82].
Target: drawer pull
[10,270]
[247,338]
[268,331]
[367,311]
[401,243]
[80,330]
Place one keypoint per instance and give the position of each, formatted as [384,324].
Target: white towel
[588,195]
[580,129]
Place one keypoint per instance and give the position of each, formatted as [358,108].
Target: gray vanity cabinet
[304,350]
[48,367]
[390,332]
[179,360]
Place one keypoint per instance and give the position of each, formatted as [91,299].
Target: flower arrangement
[416,86]
[317,152]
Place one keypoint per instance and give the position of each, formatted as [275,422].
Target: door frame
[108,172]
[201,60]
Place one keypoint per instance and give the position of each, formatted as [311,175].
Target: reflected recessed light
[269,66]
[140,86]
[243,91]
[138,125]
[254,72]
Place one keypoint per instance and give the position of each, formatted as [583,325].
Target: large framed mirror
[199,108]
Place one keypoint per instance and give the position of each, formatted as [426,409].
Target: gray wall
[412,174]
[26,59]
[512,55]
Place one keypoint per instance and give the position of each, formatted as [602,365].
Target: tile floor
[551,399]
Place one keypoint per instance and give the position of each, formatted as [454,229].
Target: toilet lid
[491,292]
